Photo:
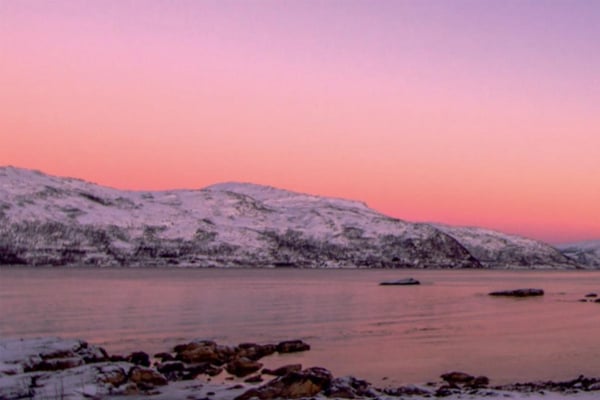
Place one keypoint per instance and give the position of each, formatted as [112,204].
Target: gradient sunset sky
[478,112]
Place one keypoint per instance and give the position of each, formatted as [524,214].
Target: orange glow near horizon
[427,111]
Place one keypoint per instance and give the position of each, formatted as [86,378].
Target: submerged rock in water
[529,292]
[401,282]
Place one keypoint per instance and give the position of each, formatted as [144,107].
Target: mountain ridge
[63,221]
[585,252]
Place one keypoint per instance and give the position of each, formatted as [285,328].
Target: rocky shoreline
[53,368]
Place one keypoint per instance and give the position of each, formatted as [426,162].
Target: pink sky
[463,112]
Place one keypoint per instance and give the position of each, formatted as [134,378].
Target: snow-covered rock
[585,253]
[53,368]
[47,220]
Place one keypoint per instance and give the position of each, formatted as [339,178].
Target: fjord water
[408,334]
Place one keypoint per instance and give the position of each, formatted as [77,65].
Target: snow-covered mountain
[585,253]
[500,250]
[58,221]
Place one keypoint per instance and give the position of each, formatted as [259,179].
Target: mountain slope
[61,221]
[499,250]
[584,253]
[50,220]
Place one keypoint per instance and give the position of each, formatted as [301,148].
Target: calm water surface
[355,326]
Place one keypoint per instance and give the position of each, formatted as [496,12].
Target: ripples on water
[355,326]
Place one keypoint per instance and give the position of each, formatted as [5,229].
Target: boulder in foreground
[293,385]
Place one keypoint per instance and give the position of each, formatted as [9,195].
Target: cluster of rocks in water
[590,298]
[74,369]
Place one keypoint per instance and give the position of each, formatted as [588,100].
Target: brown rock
[292,346]
[192,371]
[170,366]
[456,377]
[348,387]
[446,390]
[58,354]
[480,382]
[226,353]
[115,377]
[255,351]
[199,354]
[242,366]
[139,358]
[130,389]
[146,376]
[294,385]
[192,345]
[284,370]
[54,364]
